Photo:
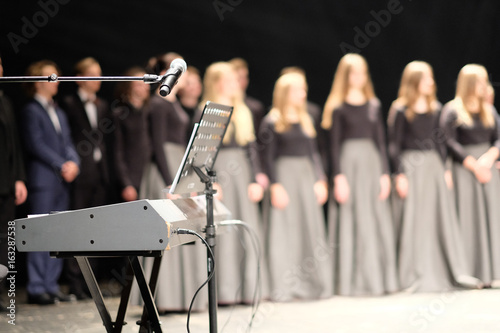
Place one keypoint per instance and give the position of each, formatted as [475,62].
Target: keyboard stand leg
[152,286]
[89,277]
[125,296]
[150,307]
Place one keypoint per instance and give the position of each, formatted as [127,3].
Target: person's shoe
[40,299]
[81,296]
[60,297]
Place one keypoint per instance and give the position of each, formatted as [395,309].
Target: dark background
[268,34]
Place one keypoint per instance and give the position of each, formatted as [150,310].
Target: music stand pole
[210,238]
[201,153]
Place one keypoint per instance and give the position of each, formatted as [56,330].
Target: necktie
[91,110]
[51,110]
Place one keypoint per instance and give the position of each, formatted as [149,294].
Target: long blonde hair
[468,77]
[340,86]
[409,90]
[281,103]
[241,124]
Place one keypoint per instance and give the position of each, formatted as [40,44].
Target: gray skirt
[153,186]
[183,268]
[236,260]
[299,256]
[361,230]
[431,256]
[478,208]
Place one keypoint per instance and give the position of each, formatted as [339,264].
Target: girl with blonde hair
[360,226]
[296,225]
[237,166]
[430,248]
[471,130]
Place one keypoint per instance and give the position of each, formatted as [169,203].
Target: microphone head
[164,91]
[179,63]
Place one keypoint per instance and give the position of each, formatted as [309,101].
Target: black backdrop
[312,34]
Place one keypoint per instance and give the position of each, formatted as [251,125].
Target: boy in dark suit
[90,124]
[52,163]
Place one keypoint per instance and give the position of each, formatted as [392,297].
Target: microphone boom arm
[147,78]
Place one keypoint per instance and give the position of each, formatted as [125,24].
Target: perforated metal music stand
[196,174]
[202,148]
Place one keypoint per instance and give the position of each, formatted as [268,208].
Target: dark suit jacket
[11,161]
[85,138]
[46,149]
[133,149]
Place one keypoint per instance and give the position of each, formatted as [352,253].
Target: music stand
[196,174]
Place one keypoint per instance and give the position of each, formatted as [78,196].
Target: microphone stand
[147,78]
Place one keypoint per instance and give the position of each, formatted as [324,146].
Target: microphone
[177,67]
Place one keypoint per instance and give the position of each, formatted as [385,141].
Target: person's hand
[385,187]
[255,192]
[479,169]
[489,158]
[262,180]
[482,174]
[219,195]
[279,196]
[21,192]
[448,178]
[169,195]
[173,196]
[341,189]
[485,161]
[402,185]
[129,193]
[321,192]
[69,171]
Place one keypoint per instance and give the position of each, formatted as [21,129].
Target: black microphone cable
[256,246]
[181,231]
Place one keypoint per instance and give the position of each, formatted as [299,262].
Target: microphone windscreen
[179,63]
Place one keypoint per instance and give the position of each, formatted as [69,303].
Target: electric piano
[131,229]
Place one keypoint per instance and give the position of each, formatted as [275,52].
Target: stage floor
[474,311]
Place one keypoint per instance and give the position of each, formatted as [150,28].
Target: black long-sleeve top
[194,115]
[168,123]
[357,122]
[132,144]
[251,152]
[11,160]
[457,136]
[293,142]
[421,133]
